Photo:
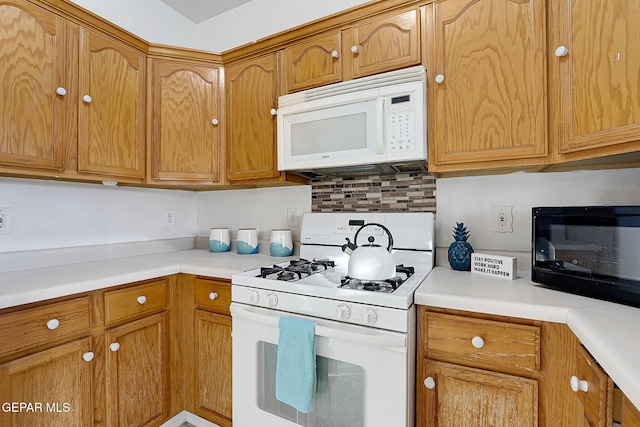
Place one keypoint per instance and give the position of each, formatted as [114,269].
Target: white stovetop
[609,331]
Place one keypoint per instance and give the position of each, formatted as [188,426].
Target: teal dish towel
[296,363]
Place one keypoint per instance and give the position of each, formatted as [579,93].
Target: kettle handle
[355,238]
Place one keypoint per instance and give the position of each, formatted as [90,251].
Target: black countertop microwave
[588,250]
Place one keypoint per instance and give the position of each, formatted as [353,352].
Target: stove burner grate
[297,269]
[386,285]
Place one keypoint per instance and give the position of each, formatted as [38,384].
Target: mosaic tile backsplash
[407,192]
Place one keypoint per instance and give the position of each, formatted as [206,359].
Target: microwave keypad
[401,128]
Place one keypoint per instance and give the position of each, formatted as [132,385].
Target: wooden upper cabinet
[375,46]
[32,68]
[185,116]
[313,63]
[486,84]
[111,116]
[594,63]
[252,96]
[386,44]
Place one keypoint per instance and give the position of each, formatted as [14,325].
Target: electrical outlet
[169,218]
[292,218]
[5,220]
[502,219]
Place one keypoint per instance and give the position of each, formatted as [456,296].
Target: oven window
[339,400]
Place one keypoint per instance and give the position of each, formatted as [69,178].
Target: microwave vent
[406,75]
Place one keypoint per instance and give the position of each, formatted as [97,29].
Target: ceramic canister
[281,243]
[219,240]
[247,241]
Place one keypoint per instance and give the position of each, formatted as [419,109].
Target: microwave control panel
[400,123]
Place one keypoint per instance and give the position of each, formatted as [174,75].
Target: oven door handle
[395,341]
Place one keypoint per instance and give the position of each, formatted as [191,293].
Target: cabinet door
[630,414]
[185,113]
[489,109]
[252,94]
[54,385]
[32,68]
[453,395]
[213,367]
[111,116]
[137,360]
[594,86]
[594,389]
[383,45]
[313,63]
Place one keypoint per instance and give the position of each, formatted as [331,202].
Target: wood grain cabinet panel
[462,396]
[252,93]
[58,380]
[313,63]
[386,44]
[185,115]
[39,326]
[135,302]
[137,369]
[213,367]
[212,295]
[489,110]
[630,414]
[594,82]
[111,115]
[32,68]
[597,400]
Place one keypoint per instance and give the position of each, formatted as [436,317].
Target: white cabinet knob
[430,383]
[439,78]
[53,324]
[354,48]
[335,54]
[215,122]
[579,385]
[272,299]
[87,99]
[213,296]
[61,91]
[273,111]
[88,356]
[561,51]
[477,342]
[114,346]
[141,299]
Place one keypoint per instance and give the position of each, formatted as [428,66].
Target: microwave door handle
[388,341]
[380,125]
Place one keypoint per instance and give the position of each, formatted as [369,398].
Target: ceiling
[201,10]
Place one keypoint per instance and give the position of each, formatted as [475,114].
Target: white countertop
[608,330]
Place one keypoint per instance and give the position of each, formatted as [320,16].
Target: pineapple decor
[460,250]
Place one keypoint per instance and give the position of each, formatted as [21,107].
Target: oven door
[364,375]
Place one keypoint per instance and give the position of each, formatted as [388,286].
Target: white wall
[152,20]
[264,208]
[261,18]
[156,22]
[469,200]
[50,214]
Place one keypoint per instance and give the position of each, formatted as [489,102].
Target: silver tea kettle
[370,261]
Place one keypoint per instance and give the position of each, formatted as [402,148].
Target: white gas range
[365,330]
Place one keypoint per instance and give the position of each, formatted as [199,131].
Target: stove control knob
[370,316]
[343,312]
[254,297]
[272,299]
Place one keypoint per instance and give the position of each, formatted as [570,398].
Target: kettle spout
[348,247]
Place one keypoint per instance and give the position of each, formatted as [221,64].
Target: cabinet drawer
[35,327]
[212,295]
[134,302]
[597,399]
[482,343]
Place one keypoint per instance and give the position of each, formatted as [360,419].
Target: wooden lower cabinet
[213,367]
[594,390]
[630,414]
[137,369]
[460,396]
[53,385]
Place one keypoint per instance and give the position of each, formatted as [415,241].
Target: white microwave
[376,120]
